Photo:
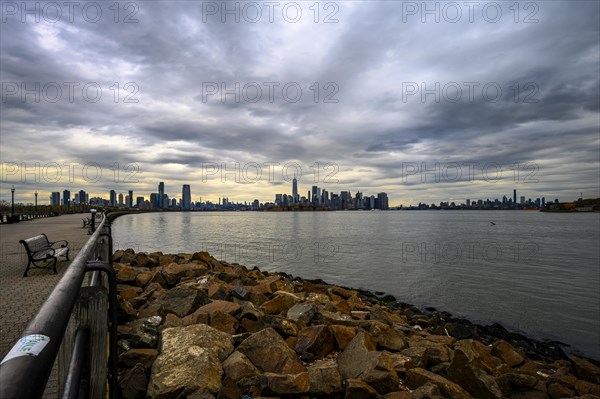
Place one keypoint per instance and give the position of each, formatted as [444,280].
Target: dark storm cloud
[371,130]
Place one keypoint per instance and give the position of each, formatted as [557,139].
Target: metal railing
[69,323]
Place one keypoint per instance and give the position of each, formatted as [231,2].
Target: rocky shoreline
[193,326]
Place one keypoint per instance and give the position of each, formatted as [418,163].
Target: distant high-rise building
[130,202]
[295,190]
[120,199]
[154,200]
[55,198]
[67,198]
[83,197]
[161,194]
[515,197]
[139,202]
[468,203]
[383,201]
[256,204]
[522,200]
[314,198]
[186,197]
[543,202]
[113,198]
[278,199]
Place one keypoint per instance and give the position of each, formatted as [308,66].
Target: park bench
[39,249]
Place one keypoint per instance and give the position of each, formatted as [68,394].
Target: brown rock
[587,388]
[325,379]
[126,274]
[285,384]
[268,351]
[357,389]
[314,342]
[585,370]
[224,322]
[181,301]
[144,278]
[128,292]
[427,391]
[221,306]
[506,352]
[202,257]
[386,337]
[172,321]
[175,271]
[144,356]
[238,367]
[417,377]
[125,307]
[134,383]
[142,259]
[342,335]
[281,302]
[417,354]
[303,311]
[361,361]
[513,382]
[189,361]
[398,395]
[467,371]
[400,362]
[556,390]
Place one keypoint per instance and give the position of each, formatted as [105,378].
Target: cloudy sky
[427,101]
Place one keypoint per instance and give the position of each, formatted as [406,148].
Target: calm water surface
[534,272]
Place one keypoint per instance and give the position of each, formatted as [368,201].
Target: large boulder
[418,377]
[467,371]
[325,379]
[280,303]
[360,360]
[303,311]
[586,370]
[182,301]
[358,389]
[134,383]
[284,384]
[507,353]
[314,342]
[268,351]
[189,361]
[174,272]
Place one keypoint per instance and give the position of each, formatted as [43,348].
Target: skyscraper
[130,202]
[55,198]
[113,198]
[82,197]
[515,198]
[186,197]
[67,198]
[295,190]
[120,199]
[383,201]
[161,194]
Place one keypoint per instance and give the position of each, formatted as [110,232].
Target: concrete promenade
[21,297]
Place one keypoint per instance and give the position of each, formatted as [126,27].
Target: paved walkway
[20,297]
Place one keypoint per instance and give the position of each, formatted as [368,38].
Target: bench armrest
[66,243]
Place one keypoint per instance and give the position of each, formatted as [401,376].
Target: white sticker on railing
[30,345]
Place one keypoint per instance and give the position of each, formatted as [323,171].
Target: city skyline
[316,196]
[372,100]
